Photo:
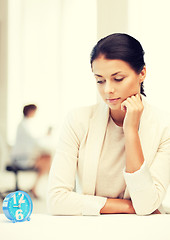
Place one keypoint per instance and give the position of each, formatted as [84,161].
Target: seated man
[24,152]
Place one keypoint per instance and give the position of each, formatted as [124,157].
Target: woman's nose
[109,87]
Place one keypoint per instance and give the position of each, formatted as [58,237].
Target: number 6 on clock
[19,215]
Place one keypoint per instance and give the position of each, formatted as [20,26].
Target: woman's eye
[119,79]
[100,81]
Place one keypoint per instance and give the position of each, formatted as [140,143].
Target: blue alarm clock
[17,206]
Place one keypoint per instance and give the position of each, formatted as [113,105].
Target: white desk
[118,227]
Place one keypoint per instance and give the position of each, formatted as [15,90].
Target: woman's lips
[112,100]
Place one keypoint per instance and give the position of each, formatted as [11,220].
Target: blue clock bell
[17,206]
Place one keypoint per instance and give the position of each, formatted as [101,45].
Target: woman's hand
[133,107]
[114,205]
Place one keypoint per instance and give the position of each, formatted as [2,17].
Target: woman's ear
[142,74]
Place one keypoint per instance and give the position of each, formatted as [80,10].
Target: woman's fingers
[133,108]
[132,103]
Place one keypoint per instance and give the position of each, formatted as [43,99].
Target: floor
[26,181]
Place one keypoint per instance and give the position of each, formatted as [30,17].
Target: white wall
[3,67]
[149,23]
[3,82]
[33,61]
[49,47]
[112,17]
[79,34]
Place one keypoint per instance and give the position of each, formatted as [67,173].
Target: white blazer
[78,152]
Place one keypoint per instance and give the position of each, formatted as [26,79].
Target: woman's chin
[114,107]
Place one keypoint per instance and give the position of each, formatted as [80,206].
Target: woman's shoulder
[78,119]
[155,114]
[83,114]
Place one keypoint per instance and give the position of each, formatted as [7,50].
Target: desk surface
[116,226]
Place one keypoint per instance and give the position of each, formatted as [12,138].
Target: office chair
[15,170]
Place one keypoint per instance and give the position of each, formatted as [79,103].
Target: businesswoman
[113,157]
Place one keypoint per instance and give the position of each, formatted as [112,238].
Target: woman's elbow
[147,205]
[53,207]
[63,203]
[145,210]
[56,202]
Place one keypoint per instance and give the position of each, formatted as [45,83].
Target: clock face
[18,205]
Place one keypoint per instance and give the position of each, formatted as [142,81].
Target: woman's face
[116,80]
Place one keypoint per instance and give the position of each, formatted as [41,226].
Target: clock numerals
[15,200]
[19,215]
[21,200]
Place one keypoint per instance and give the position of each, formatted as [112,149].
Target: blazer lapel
[96,134]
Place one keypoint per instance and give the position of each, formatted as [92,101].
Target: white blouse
[110,180]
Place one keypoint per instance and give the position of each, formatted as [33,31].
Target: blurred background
[44,59]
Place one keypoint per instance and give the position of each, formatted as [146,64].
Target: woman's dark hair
[28,108]
[121,46]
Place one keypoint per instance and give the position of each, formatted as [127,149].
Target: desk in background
[114,226]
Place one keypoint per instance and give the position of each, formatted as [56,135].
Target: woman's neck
[117,116]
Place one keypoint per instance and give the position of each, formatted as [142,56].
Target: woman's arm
[133,149]
[147,186]
[117,206]
[113,206]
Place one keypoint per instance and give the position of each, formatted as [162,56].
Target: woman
[115,154]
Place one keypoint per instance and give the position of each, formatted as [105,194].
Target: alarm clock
[17,206]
